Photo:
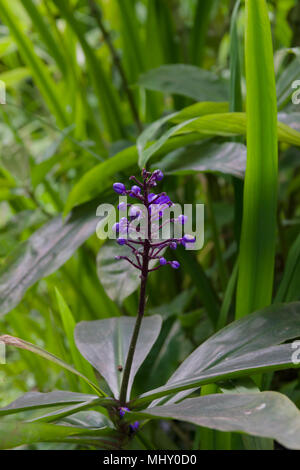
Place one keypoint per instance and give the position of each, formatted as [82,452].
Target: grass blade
[257,249]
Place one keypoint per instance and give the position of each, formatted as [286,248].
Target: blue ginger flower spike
[147,246]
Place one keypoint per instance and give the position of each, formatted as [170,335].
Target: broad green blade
[16,434]
[256,362]
[186,80]
[241,340]
[12,77]
[105,344]
[37,400]
[200,29]
[207,157]
[289,288]
[86,419]
[189,113]
[265,414]
[101,176]
[19,343]
[69,327]
[66,412]
[258,237]
[44,252]
[118,278]
[200,109]
[211,125]
[284,88]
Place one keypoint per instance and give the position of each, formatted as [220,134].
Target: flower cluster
[140,231]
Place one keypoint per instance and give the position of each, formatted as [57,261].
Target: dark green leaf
[16,434]
[19,343]
[186,80]
[37,400]
[227,158]
[118,277]
[266,414]
[105,344]
[44,252]
[241,346]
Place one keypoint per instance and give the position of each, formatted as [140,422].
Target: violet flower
[146,246]
[156,205]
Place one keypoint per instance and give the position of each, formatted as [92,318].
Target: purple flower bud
[162,261]
[173,245]
[188,238]
[121,241]
[122,206]
[135,190]
[123,410]
[182,219]
[158,175]
[164,199]
[175,264]
[135,212]
[151,197]
[134,426]
[119,188]
[116,227]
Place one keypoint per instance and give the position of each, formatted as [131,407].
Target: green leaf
[12,77]
[19,343]
[86,419]
[289,288]
[227,158]
[44,252]
[265,414]
[105,344]
[239,349]
[232,124]
[290,119]
[101,177]
[118,277]
[284,88]
[187,114]
[199,109]
[200,29]
[186,80]
[258,237]
[69,327]
[16,434]
[37,400]
[212,125]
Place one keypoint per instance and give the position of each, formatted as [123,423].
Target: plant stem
[141,310]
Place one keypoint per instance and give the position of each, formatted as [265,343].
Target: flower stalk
[144,249]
